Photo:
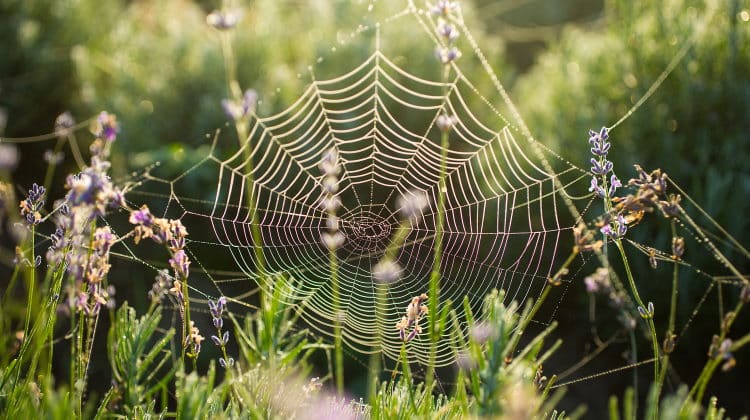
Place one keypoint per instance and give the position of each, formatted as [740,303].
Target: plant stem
[30,301]
[637,296]
[186,327]
[373,381]
[241,126]
[634,359]
[434,295]
[699,387]
[672,314]
[524,321]
[52,164]
[337,314]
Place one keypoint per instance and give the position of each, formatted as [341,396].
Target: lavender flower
[64,123]
[180,263]
[8,157]
[31,206]
[447,55]
[599,281]
[616,229]
[614,184]
[141,217]
[446,122]
[53,158]
[160,287]
[412,205]
[481,332]
[239,109]
[387,271]
[596,188]
[447,31]
[333,240]
[600,166]
[106,127]
[217,309]
[444,8]
[223,20]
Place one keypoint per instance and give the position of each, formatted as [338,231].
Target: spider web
[502,217]
[508,211]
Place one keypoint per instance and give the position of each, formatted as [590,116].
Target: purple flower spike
[614,184]
[180,263]
[596,167]
[141,217]
[107,127]
[622,226]
[249,100]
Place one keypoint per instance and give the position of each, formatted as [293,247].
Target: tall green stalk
[668,340]
[650,319]
[438,246]
[243,137]
[337,339]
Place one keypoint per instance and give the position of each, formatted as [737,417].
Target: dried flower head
[656,181]
[745,293]
[176,290]
[584,239]
[671,206]
[194,338]
[678,247]
[414,312]
[669,343]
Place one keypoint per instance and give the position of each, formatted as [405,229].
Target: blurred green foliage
[694,127]
[159,66]
[696,118]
